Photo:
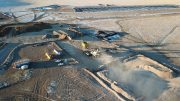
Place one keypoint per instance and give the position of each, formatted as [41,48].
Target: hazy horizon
[15,5]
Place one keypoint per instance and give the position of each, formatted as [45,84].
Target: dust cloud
[141,83]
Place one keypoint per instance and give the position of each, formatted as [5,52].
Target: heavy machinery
[93,52]
[84,45]
[53,55]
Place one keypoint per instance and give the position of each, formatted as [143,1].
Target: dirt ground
[34,53]
[37,52]
[70,84]
[135,61]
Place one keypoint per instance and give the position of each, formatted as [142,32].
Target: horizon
[21,5]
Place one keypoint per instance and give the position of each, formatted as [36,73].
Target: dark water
[10,3]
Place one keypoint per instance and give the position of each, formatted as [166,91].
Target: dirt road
[86,61]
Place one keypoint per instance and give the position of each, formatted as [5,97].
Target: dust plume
[140,82]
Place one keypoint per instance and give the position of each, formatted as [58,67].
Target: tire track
[31,95]
[141,40]
[167,35]
[161,59]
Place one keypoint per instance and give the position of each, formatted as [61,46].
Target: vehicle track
[30,95]
[167,35]
[134,39]
[164,61]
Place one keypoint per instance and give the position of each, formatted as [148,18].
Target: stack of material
[62,35]
[22,64]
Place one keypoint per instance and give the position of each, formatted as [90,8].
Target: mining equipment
[84,45]
[54,54]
